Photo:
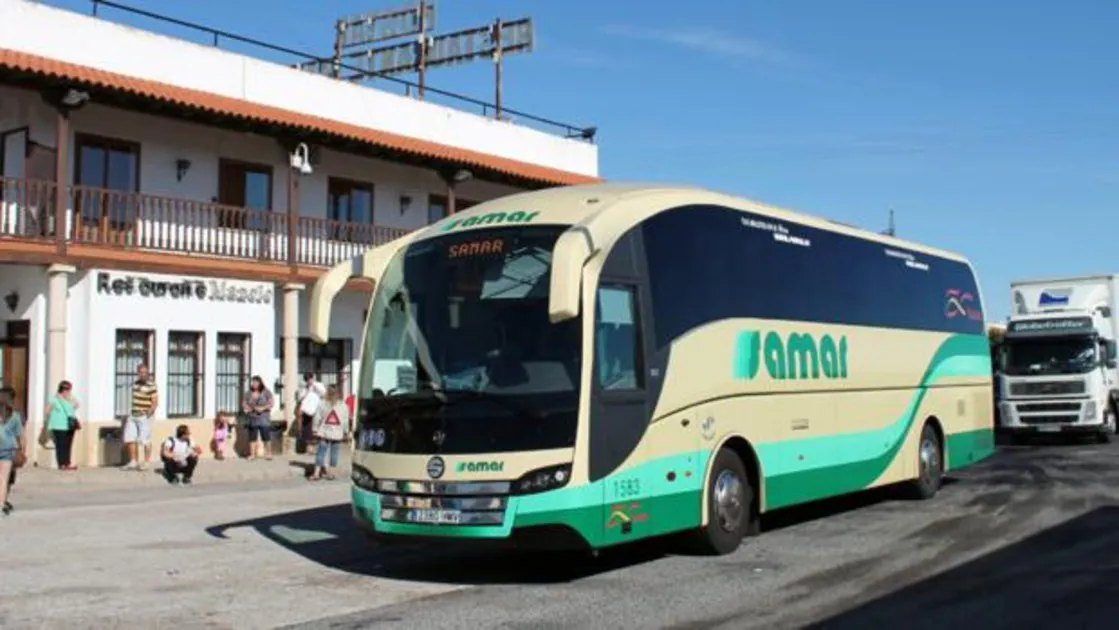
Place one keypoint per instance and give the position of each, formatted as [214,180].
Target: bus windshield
[460,355]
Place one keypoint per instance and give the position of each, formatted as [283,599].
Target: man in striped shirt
[138,427]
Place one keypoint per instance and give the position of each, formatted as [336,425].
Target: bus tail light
[543,479]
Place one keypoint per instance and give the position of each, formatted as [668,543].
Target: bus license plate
[437,517]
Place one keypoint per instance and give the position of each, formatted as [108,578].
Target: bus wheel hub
[728,501]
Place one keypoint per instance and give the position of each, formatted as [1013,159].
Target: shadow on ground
[1064,577]
[788,517]
[328,536]
[1035,440]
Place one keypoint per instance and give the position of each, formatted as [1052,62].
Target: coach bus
[619,362]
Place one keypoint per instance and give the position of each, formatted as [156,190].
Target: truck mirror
[1109,354]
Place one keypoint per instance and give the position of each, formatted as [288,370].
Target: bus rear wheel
[730,505]
[930,465]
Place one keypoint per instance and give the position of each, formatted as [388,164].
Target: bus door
[636,458]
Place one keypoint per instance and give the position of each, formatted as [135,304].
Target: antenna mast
[890,231]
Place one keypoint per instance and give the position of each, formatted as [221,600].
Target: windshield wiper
[443,394]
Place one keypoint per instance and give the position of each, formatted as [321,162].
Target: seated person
[180,455]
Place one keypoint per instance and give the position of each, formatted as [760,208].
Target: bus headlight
[543,479]
[363,479]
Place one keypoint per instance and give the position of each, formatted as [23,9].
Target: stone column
[291,349]
[58,289]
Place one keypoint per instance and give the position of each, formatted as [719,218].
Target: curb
[208,472]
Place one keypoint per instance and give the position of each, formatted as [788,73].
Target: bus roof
[570,205]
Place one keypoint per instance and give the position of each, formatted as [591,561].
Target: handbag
[74,423]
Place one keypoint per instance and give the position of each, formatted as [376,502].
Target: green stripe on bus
[968,447]
[833,465]
[797,471]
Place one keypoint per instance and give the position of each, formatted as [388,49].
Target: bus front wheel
[730,501]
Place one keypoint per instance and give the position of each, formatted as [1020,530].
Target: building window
[233,369]
[330,361]
[349,202]
[133,349]
[437,206]
[107,172]
[184,374]
[244,187]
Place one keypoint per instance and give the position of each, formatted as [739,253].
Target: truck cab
[1057,359]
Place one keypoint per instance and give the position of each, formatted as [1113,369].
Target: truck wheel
[930,465]
[1109,428]
[730,501]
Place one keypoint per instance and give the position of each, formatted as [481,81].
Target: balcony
[148,223]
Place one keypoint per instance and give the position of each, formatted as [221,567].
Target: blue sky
[990,127]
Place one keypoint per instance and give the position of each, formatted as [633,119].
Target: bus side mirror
[322,296]
[571,252]
[369,265]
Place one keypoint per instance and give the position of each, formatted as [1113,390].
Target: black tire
[930,465]
[1105,436]
[730,487]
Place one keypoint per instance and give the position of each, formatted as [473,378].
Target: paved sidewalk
[206,557]
[209,471]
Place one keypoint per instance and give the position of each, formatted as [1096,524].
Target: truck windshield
[460,355]
[1066,355]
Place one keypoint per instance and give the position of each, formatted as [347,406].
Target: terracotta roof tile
[206,101]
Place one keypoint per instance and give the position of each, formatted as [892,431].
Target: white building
[186,239]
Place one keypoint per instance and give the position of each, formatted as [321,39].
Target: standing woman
[332,427]
[257,406]
[62,422]
[11,449]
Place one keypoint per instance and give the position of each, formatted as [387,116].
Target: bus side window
[617,340]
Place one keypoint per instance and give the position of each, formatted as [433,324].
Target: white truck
[1057,360]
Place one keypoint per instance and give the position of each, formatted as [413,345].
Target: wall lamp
[301,159]
[11,300]
[182,165]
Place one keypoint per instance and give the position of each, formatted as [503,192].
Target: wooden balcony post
[293,219]
[450,197]
[61,190]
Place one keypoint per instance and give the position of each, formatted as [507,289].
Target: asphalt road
[1028,539]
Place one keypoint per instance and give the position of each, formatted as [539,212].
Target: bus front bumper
[552,519]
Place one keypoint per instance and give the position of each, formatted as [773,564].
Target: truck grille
[444,503]
[1067,407]
[1048,388]
[1048,419]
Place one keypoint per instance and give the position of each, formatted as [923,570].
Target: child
[221,435]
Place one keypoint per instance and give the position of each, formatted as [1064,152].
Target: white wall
[164,141]
[81,39]
[105,313]
[94,317]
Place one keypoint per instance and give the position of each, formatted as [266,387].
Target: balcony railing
[134,221]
